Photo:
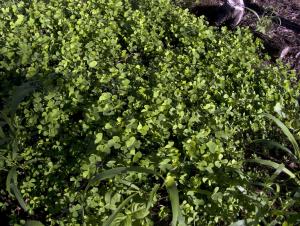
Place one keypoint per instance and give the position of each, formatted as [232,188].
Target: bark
[232,12]
[218,12]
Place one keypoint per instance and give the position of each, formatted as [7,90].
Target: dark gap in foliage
[4,218]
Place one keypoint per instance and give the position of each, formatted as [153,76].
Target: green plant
[290,185]
[265,21]
[135,83]
[144,210]
[10,159]
[185,4]
[264,24]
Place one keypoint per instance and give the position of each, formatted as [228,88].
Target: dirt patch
[276,22]
[282,35]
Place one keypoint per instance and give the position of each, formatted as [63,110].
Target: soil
[280,20]
[282,37]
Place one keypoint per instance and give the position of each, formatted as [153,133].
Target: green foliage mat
[119,83]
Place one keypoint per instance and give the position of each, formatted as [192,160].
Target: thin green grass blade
[120,207]
[129,184]
[275,166]
[33,223]
[11,186]
[253,11]
[151,196]
[274,144]
[141,214]
[19,197]
[12,175]
[287,132]
[119,170]
[174,198]
[82,203]
[15,149]
[112,173]
[277,172]
[2,134]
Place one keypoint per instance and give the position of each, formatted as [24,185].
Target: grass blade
[119,170]
[274,144]
[2,134]
[141,214]
[151,196]
[129,184]
[33,223]
[277,172]
[11,186]
[15,149]
[174,198]
[12,175]
[274,165]
[19,197]
[120,207]
[287,132]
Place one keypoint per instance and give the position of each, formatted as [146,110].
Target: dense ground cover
[89,86]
